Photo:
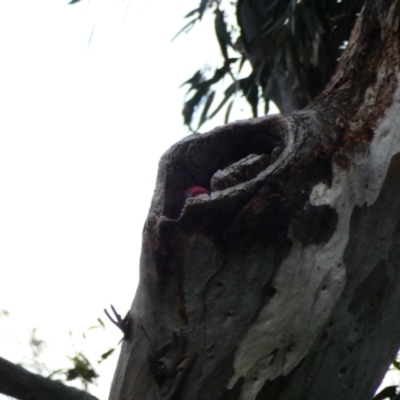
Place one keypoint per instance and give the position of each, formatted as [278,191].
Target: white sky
[81,131]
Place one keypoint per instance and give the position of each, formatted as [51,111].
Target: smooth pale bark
[285,282]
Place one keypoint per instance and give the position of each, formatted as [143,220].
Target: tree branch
[17,382]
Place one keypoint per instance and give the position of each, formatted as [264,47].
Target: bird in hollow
[195,191]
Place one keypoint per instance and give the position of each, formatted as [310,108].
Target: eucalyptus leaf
[267,90]
[221,31]
[294,56]
[309,22]
[250,90]
[271,6]
[193,12]
[396,364]
[228,111]
[266,107]
[389,392]
[206,107]
[242,61]
[229,92]
[105,355]
[300,38]
[274,26]
[202,7]
[190,105]
[194,80]
[321,15]
[186,28]
[100,321]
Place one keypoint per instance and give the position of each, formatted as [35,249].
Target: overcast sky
[89,101]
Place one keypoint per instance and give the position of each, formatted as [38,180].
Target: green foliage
[202,89]
[105,355]
[82,370]
[299,40]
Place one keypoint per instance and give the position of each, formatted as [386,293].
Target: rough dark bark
[285,284]
[21,384]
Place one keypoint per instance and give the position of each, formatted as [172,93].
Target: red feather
[195,191]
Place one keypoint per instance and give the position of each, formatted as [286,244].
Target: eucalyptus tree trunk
[284,283]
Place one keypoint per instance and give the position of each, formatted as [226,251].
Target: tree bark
[284,283]
[21,384]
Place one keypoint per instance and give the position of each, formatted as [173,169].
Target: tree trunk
[285,282]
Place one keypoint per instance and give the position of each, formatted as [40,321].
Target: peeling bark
[284,283]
